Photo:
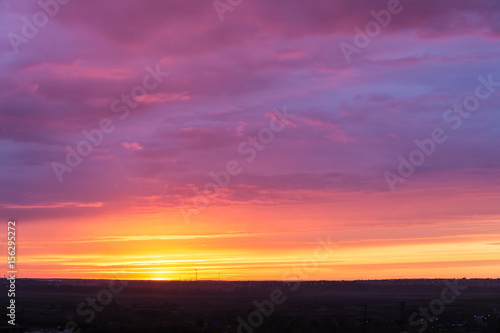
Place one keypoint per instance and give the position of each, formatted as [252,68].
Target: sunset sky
[176,94]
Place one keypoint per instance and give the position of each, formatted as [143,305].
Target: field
[264,306]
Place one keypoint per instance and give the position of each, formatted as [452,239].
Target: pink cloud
[132,146]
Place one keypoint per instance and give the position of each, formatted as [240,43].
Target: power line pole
[403,322]
[365,321]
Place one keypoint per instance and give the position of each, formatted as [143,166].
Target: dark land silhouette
[264,306]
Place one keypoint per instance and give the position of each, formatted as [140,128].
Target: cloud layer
[352,120]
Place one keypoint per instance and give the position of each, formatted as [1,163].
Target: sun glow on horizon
[360,253]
